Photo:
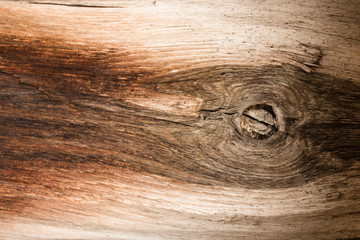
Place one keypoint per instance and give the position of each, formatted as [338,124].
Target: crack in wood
[73,5]
[259,121]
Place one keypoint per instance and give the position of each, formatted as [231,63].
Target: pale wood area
[144,119]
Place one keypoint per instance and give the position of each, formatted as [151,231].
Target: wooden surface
[136,119]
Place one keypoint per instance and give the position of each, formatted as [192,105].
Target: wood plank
[179,119]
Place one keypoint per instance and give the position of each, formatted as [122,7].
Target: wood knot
[259,121]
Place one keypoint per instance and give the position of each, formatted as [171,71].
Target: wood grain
[123,119]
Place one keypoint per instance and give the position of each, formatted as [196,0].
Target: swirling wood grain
[123,120]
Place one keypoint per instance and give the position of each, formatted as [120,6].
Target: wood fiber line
[130,128]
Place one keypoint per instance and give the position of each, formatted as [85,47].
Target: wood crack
[73,5]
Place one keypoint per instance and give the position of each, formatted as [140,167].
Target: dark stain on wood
[54,65]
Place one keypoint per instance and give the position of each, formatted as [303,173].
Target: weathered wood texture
[128,120]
